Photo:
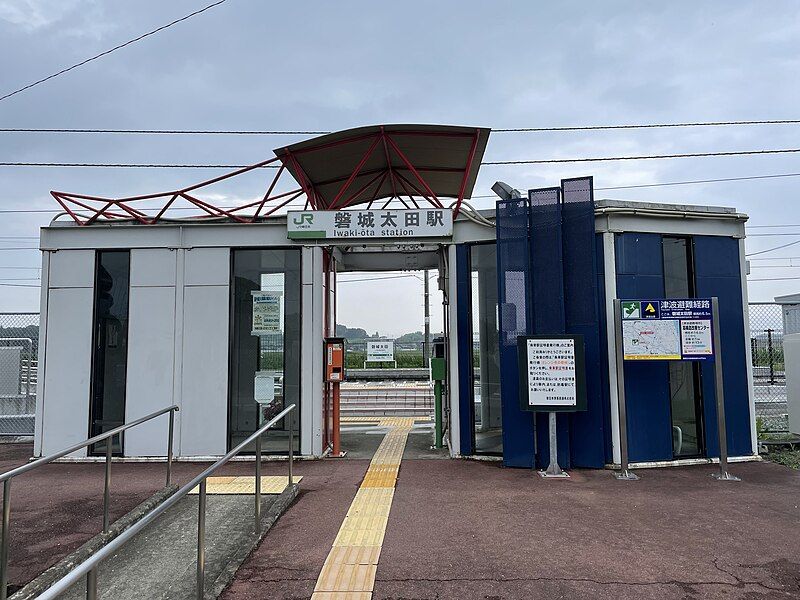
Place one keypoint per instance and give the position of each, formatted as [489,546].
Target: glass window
[485,350]
[265,353]
[110,350]
[684,376]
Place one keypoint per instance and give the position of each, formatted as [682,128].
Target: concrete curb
[268,519]
[68,563]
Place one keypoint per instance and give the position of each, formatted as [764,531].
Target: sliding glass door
[265,352]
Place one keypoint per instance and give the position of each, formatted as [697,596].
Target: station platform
[465,529]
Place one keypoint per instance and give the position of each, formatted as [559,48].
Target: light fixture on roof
[505,191]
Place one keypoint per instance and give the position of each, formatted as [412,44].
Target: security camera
[505,191]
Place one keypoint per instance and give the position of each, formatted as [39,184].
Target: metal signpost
[552,379]
[669,329]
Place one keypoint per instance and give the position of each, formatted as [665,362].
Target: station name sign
[335,224]
[674,329]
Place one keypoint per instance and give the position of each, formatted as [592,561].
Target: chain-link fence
[19,352]
[769,375]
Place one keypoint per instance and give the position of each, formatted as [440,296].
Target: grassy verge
[788,458]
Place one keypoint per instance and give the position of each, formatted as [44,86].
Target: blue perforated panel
[514,318]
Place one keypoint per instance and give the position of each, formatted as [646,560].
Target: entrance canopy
[366,165]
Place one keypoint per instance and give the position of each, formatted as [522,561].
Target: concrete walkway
[161,562]
[464,529]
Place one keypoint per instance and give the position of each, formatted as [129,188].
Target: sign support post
[624,473]
[553,469]
[552,379]
[723,474]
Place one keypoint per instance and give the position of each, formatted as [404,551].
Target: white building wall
[63,407]
[151,349]
[203,416]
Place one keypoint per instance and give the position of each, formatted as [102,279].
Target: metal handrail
[6,478]
[91,564]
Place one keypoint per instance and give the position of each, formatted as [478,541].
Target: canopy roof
[366,164]
[347,168]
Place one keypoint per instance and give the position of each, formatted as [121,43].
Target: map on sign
[667,329]
[648,338]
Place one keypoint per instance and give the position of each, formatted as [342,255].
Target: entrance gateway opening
[226,313]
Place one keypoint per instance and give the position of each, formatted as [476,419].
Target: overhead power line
[318,132]
[773,249]
[696,181]
[640,157]
[773,279]
[486,163]
[109,51]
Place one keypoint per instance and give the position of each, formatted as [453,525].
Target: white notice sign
[551,372]
[380,351]
[266,312]
[696,337]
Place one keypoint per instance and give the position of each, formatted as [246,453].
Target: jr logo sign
[303,219]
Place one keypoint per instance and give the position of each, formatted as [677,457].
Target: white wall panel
[207,266]
[153,266]
[72,268]
[204,408]
[68,356]
[151,350]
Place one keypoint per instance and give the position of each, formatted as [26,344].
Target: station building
[141,310]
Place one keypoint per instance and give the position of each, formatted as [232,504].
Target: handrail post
[169,446]
[258,485]
[107,484]
[291,446]
[5,541]
[201,542]
[91,585]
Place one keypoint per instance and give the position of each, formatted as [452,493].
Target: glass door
[486,417]
[265,353]
[685,389]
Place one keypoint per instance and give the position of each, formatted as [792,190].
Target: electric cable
[773,249]
[114,49]
[318,132]
[485,163]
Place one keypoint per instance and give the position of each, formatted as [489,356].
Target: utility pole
[426,344]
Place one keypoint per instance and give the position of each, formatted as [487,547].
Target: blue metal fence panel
[463,322]
[547,295]
[581,314]
[640,274]
[717,274]
[513,279]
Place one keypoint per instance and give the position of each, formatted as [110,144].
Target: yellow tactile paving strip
[270,484]
[349,570]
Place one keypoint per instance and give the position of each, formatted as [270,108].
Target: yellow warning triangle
[649,308]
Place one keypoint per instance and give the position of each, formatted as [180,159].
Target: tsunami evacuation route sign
[674,329]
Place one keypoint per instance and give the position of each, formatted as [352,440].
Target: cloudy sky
[332,65]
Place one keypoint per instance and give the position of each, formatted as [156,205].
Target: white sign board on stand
[380,351]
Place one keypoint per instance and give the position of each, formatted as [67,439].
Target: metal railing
[91,564]
[6,478]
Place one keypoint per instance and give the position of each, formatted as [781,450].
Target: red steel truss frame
[407,188]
